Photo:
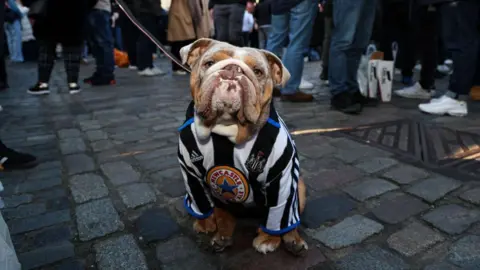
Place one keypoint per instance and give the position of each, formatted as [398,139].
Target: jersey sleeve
[197,200]
[282,193]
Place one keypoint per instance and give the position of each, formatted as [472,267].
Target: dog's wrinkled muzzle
[228,94]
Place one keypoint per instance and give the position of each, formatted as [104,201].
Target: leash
[147,33]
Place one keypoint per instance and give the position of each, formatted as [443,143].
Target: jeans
[461,37]
[353,23]
[14,39]
[297,26]
[145,47]
[229,22]
[118,38]
[263,32]
[101,40]
[327,39]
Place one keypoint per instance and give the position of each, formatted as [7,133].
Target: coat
[64,22]
[180,22]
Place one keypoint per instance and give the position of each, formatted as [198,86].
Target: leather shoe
[346,102]
[298,97]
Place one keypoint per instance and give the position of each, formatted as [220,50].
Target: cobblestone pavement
[401,191]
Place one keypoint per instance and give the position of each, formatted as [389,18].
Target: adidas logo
[194,156]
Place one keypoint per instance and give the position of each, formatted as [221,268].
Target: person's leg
[102,40]
[72,56]
[13,160]
[300,33]
[46,60]
[130,36]
[278,33]
[461,37]
[145,47]
[429,47]
[235,24]
[175,49]
[3,69]
[9,35]
[327,38]
[221,14]
[17,41]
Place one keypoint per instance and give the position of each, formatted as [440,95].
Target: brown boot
[475,93]
[298,97]
[276,92]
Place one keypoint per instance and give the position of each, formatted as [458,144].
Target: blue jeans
[297,26]
[461,37]
[101,40]
[14,40]
[353,24]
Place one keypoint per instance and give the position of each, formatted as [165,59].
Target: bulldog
[234,149]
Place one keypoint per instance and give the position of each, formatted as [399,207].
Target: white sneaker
[448,62]
[305,85]
[415,91]
[418,67]
[445,105]
[180,72]
[157,71]
[443,69]
[1,109]
[132,67]
[146,73]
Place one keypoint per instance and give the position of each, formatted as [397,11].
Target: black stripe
[266,139]
[190,111]
[197,190]
[286,212]
[223,151]
[188,140]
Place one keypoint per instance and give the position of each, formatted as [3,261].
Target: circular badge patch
[228,183]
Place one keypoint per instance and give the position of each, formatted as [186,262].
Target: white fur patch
[264,248]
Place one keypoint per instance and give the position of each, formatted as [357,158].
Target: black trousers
[46,60]
[130,35]
[3,69]
[175,49]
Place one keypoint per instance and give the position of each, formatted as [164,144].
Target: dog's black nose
[234,70]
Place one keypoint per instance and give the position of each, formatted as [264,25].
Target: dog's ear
[192,52]
[278,71]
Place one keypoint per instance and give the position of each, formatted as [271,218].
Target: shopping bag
[121,58]
[384,71]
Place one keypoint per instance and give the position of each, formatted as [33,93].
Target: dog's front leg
[294,243]
[264,242]
[225,227]
[206,226]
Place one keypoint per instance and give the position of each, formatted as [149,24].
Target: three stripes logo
[195,157]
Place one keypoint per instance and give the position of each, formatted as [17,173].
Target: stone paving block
[32,186]
[372,258]
[45,174]
[173,187]
[136,194]
[120,253]
[89,125]
[471,196]
[434,188]
[452,218]
[102,145]
[177,249]
[50,194]
[350,231]
[465,253]
[120,173]
[86,187]
[16,200]
[37,222]
[69,133]
[72,146]
[79,163]
[24,211]
[398,209]
[46,255]
[369,188]
[351,152]
[413,239]
[156,224]
[327,208]
[96,219]
[51,235]
[96,135]
[325,179]
[441,266]
[72,265]
[405,174]
[376,164]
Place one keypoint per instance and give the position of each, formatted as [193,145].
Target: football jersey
[263,172]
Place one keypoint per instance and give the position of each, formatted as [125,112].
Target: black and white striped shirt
[261,172]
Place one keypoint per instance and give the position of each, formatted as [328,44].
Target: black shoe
[366,101]
[98,81]
[346,102]
[13,160]
[39,89]
[74,88]
[324,74]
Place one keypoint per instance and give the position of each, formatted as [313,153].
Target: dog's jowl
[235,149]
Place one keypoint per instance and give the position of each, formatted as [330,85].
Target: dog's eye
[209,63]
[258,72]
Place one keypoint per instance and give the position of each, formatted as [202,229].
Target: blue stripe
[282,231]
[186,124]
[192,213]
[273,123]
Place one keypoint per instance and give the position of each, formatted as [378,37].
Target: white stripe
[278,147]
[186,158]
[241,155]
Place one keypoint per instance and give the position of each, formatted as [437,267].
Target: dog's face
[232,85]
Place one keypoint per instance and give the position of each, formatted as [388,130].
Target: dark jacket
[225,2]
[263,12]
[64,21]
[283,6]
[147,7]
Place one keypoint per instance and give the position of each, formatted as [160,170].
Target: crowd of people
[439,37]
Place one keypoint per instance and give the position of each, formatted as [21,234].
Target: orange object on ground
[475,93]
[121,58]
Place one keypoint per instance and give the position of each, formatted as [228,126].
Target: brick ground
[107,194]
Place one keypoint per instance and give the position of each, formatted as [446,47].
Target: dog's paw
[207,225]
[295,243]
[219,243]
[264,243]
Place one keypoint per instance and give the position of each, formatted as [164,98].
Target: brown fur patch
[295,243]
[221,55]
[207,225]
[250,61]
[244,133]
[197,50]
[225,222]
[302,194]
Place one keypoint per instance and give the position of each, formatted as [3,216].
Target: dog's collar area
[191,120]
